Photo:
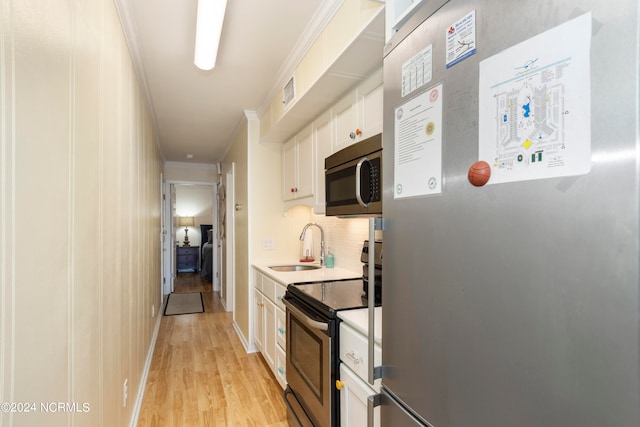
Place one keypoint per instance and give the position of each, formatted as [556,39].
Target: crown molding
[128,24]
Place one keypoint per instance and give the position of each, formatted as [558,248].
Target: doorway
[196,201]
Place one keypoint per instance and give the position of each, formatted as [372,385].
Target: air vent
[288,92]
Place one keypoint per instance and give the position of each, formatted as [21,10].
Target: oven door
[309,353]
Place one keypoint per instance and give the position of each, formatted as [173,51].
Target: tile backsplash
[344,237]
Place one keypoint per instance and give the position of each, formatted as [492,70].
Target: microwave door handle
[309,321]
[358,181]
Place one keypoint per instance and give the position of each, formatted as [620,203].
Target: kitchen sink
[296,267]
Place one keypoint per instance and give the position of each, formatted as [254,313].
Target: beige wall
[191,172]
[80,210]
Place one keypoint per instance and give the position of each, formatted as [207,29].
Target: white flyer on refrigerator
[418,148]
[535,106]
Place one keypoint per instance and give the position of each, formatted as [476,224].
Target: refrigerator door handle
[373,372]
[372,402]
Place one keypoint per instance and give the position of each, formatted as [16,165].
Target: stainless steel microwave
[353,179]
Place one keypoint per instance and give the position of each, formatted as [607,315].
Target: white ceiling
[196,112]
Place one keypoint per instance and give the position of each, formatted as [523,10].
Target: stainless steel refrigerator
[513,302]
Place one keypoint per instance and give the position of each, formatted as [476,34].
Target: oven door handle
[309,321]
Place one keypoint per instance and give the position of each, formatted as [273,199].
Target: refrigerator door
[517,304]
[394,414]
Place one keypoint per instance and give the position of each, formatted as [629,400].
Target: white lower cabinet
[281,366]
[354,389]
[258,320]
[353,400]
[269,326]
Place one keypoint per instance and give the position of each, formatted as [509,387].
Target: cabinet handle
[353,135]
[294,190]
[281,370]
[279,297]
[339,385]
[352,355]
[281,330]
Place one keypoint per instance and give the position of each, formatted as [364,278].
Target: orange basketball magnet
[479,173]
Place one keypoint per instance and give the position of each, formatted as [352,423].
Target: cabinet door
[323,149]
[281,328]
[258,322]
[371,112]
[305,164]
[289,170]
[345,118]
[353,400]
[269,319]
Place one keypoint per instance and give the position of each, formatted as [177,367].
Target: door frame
[168,249]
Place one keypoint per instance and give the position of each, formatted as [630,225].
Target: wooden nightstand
[187,258]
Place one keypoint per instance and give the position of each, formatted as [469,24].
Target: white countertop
[359,320]
[306,276]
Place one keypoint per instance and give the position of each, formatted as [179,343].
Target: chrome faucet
[304,230]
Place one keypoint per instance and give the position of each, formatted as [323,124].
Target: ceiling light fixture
[208,31]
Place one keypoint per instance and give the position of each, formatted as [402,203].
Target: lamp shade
[186,221]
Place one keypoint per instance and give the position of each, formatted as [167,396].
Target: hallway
[201,375]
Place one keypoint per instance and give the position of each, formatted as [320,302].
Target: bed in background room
[206,252]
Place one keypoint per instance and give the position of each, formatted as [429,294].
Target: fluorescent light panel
[208,30]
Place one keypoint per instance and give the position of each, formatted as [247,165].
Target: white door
[169,236]
[226,238]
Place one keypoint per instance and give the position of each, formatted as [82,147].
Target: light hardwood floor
[201,375]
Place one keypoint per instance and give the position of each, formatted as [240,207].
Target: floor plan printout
[535,111]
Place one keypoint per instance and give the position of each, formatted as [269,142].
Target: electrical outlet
[125,392]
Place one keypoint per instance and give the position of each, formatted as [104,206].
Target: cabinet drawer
[281,367]
[354,352]
[269,288]
[281,328]
[258,280]
[280,290]
[188,250]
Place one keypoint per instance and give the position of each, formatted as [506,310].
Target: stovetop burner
[331,297]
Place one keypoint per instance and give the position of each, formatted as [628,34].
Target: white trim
[128,24]
[247,348]
[147,368]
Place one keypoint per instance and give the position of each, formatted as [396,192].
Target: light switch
[267,244]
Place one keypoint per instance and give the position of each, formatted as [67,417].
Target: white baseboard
[249,348]
[147,367]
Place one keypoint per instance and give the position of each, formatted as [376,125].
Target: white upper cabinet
[345,115]
[358,115]
[370,106]
[323,148]
[297,166]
